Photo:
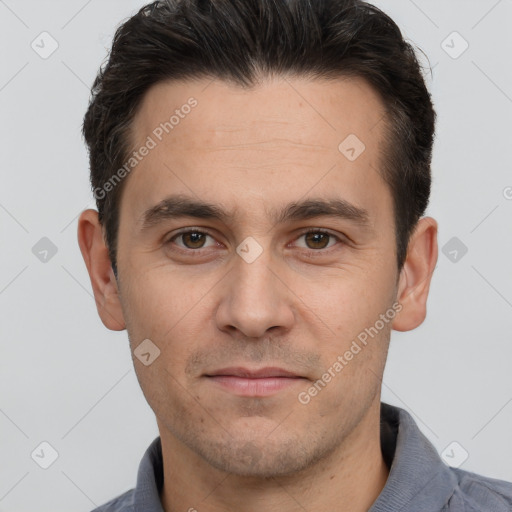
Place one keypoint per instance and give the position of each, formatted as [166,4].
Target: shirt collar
[150,478]
[418,478]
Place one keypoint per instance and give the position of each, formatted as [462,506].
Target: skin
[298,306]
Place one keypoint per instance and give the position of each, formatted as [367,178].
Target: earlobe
[101,273]
[416,275]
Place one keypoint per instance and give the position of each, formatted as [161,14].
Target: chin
[260,457]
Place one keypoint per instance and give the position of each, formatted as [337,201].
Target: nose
[256,298]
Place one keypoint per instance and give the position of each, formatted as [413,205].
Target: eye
[317,239]
[194,239]
[191,239]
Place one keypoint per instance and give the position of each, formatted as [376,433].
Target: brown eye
[191,239]
[317,240]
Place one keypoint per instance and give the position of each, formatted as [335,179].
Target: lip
[260,373]
[254,383]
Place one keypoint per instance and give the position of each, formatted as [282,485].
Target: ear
[103,281]
[416,274]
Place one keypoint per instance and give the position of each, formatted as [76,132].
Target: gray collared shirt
[418,481]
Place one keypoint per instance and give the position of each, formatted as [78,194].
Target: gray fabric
[418,481]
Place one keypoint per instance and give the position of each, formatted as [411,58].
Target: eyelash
[305,232]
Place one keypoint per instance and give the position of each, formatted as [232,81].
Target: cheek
[174,312]
[164,391]
[352,371]
[346,311]
[344,303]
[161,304]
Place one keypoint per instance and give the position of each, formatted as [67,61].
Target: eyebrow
[178,206]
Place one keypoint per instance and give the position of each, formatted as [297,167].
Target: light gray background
[67,380]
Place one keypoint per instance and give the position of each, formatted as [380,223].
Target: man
[261,171]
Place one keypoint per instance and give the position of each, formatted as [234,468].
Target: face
[257,302]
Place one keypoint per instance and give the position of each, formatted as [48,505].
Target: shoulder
[476,492]
[122,503]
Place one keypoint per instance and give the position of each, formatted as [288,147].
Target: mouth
[254,383]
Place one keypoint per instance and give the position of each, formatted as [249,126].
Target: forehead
[315,112]
[284,137]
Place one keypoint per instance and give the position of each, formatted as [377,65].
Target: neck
[349,480]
